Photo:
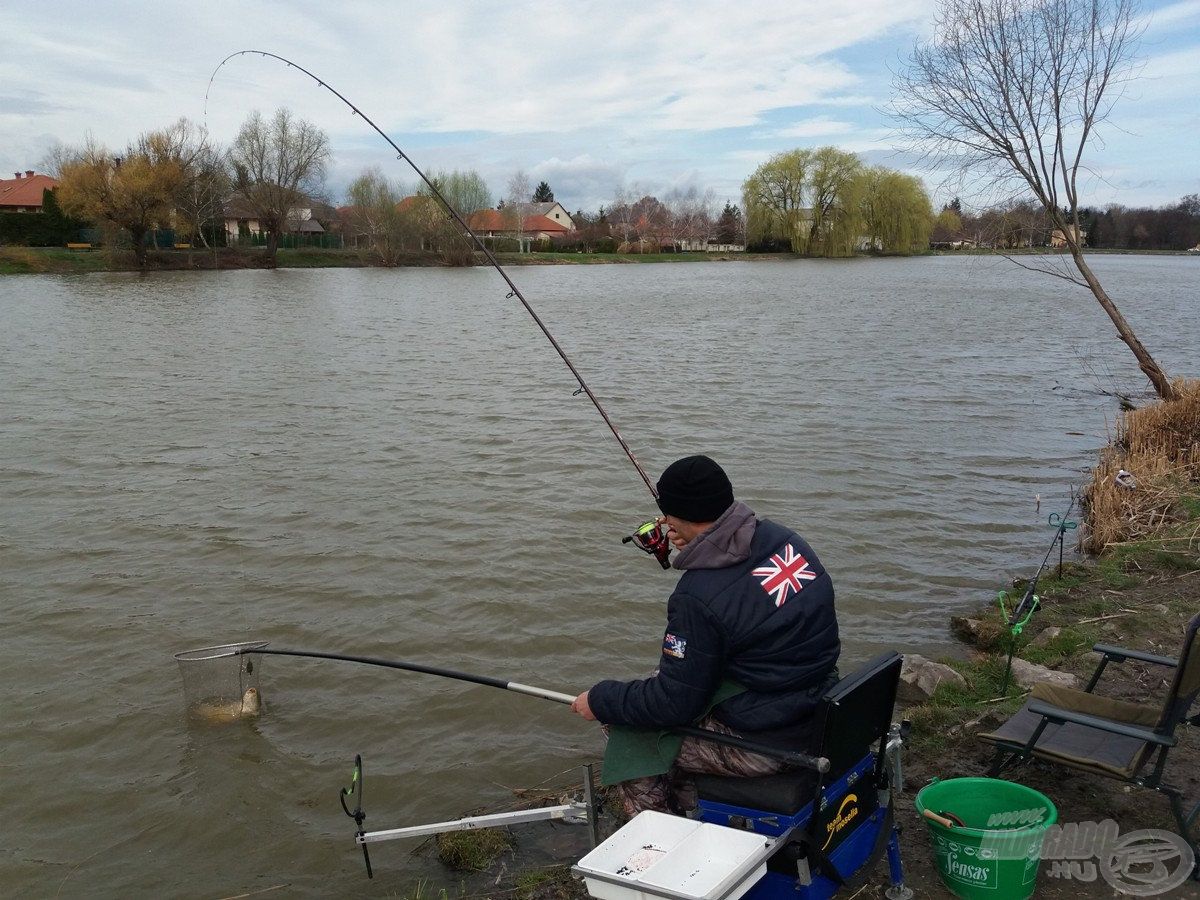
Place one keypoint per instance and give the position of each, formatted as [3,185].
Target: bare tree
[691,217]
[620,212]
[278,164]
[204,182]
[375,211]
[1013,90]
[57,155]
[517,203]
[464,192]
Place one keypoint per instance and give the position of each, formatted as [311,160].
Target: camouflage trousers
[675,792]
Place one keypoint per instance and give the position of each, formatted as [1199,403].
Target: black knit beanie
[695,489]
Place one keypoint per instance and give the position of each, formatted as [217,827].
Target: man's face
[681,532]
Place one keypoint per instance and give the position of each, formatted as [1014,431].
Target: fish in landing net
[217,711]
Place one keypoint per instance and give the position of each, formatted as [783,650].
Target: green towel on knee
[641,752]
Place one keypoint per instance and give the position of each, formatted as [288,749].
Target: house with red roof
[553,210]
[502,223]
[23,192]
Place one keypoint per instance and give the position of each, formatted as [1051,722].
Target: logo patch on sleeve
[675,646]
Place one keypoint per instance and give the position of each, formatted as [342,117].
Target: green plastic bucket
[997,852]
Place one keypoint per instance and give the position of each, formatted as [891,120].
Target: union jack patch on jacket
[784,573]
[674,646]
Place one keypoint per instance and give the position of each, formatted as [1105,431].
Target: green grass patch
[318,258]
[473,850]
[935,723]
[1051,584]
[49,260]
[1068,644]
[551,882]
[423,890]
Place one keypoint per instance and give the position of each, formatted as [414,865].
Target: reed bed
[1159,445]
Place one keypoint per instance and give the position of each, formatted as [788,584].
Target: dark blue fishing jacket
[765,620]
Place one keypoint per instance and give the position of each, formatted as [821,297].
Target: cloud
[588,180]
[1174,15]
[821,126]
[27,103]
[585,96]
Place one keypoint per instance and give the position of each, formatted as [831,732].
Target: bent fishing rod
[819,764]
[515,686]
[648,537]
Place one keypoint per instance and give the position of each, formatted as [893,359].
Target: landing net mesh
[219,674]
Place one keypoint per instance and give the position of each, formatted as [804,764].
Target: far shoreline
[60,261]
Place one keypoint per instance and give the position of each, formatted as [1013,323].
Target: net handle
[220,651]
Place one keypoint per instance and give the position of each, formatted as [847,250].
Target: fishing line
[514,291]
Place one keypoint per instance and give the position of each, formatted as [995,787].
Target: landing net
[219,674]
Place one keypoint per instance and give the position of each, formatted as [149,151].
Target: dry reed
[1159,445]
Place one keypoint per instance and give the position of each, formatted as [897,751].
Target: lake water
[392,463]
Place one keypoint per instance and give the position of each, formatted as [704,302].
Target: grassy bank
[1047,251]
[56,261]
[1139,590]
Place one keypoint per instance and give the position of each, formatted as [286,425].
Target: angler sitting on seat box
[751,644]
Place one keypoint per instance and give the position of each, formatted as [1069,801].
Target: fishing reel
[651,538]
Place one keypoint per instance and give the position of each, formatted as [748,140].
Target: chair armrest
[1120,653]
[1056,714]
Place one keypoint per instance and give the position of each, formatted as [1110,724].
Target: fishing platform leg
[898,890]
[584,811]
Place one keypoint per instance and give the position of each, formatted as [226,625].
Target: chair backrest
[1186,685]
[855,715]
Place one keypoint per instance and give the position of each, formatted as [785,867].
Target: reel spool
[651,538]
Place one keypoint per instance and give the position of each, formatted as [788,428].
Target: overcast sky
[588,97]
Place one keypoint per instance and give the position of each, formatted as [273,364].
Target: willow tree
[808,198]
[835,222]
[774,197]
[1013,91]
[897,215]
[134,192]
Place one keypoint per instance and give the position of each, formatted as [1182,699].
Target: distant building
[240,218]
[554,211]
[1059,239]
[23,192]
[499,223]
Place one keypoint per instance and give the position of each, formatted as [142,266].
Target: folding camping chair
[1113,738]
[840,821]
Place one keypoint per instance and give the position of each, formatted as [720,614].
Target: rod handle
[941,820]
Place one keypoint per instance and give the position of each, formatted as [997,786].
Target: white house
[554,211]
